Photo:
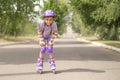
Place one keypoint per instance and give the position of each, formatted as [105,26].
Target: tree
[108,12]
[100,15]
[12,14]
[82,10]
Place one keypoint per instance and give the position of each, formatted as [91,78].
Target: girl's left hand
[51,42]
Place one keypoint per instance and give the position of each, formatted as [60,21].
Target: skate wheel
[40,71]
[54,71]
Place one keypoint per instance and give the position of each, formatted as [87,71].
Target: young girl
[47,32]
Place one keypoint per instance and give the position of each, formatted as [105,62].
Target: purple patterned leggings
[48,48]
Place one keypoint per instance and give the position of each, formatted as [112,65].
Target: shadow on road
[77,70]
[57,72]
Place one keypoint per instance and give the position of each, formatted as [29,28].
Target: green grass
[114,43]
[111,43]
[16,39]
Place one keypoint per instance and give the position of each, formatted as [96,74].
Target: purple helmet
[49,13]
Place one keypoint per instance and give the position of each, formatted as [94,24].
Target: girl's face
[48,20]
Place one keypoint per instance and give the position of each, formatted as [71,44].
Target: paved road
[76,60]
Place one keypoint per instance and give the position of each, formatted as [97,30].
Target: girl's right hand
[42,43]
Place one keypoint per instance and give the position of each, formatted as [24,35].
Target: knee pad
[50,49]
[43,49]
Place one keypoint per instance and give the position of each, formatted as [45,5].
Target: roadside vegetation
[100,18]
[18,18]
[115,43]
[95,20]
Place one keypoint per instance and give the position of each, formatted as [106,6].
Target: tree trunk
[109,31]
[6,27]
[14,30]
[116,30]
[115,35]
[0,30]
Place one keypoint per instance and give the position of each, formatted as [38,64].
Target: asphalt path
[75,60]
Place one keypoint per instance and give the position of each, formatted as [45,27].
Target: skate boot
[40,65]
[52,65]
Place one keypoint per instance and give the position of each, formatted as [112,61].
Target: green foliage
[29,29]
[60,10]
[77,24]
[107,10]
[14,15]
[100,15]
